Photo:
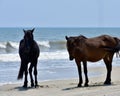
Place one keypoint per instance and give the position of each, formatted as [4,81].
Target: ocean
[53,63]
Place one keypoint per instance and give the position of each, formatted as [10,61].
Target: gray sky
[59,13]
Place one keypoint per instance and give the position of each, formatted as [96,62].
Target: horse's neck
[32,42]
[81,41]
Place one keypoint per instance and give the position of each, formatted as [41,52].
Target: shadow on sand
[28,88]
[90,86]
[23,89]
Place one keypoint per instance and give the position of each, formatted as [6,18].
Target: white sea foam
[44,43]
[12,57]
[54,55]
[9,57]
[2,45]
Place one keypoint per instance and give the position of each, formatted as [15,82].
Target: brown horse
[84,49]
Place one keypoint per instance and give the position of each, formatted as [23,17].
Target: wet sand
[69,87]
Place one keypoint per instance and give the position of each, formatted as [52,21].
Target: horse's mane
[82,37]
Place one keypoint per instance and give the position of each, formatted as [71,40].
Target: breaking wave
[48,50]
[12,47]
[8,47]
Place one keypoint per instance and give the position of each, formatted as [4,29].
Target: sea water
[53,62]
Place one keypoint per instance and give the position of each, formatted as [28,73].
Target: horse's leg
[79,72]
[35,72]
[31,77]
[26,73]
[108,63]
[85,72]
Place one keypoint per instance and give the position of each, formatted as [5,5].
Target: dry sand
[68,87]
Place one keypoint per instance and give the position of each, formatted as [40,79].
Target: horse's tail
[115,49]
[21,71]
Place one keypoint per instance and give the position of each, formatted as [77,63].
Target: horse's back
[101,41]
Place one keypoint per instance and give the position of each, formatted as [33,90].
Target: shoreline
[92,72]
[68,87]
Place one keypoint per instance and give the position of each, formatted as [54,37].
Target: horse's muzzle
[71,58]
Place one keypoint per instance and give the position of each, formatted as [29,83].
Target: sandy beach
[68,87]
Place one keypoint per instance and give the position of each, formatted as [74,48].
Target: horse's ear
[32,30]
[24,31]
[66,37]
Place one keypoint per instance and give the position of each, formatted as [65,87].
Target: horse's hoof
[32,85]
[107,83]
[79,85]
[86,85]
[24,86]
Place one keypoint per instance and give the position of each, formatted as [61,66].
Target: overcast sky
[59,13]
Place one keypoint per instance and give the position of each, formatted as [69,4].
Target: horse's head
[28,38]
[70,46]
[74,43]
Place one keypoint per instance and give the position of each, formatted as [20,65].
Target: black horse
[29,53]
